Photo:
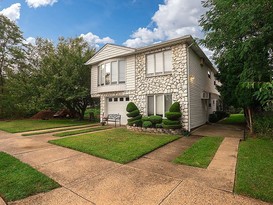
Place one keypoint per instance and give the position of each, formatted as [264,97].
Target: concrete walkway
[152,179]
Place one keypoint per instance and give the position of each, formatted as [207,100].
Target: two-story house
[154,77]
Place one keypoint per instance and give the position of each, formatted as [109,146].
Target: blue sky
[132,23]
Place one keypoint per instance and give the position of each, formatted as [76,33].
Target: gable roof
[109,51]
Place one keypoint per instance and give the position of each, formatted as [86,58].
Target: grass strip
[119,145]
[18,180]
[16,126]
[254,174]
[200,153]
[234,119]
[58,130]
[64,134]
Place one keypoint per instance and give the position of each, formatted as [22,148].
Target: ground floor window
[159,104]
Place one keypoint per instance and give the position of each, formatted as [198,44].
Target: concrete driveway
[152,179]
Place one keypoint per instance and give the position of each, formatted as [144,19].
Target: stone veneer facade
[175,83]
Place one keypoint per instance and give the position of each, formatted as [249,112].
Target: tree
[240,34]
[66,80]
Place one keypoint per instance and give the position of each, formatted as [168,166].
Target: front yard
[254,176]
[31,125]
[19,180]
[119,145]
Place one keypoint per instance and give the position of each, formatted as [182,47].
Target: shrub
[158,126]
[145,118]
[173,115]
[221,114]
[171,126]
[175,107]
[263,124]
[135,118]
[133,113]
[171,122]
[213,118]
[131,107]
[147,124]
[155,119]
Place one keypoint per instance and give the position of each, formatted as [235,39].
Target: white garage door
[117,105]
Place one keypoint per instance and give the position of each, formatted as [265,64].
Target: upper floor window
[112,72]
[159,63]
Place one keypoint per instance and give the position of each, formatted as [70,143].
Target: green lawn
[200,153]
[119,145]
[75,132]
[254,175]
[31,125]
[19,180]
[234,119]
[59,130]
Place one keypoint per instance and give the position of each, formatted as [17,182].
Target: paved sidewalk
[152,179]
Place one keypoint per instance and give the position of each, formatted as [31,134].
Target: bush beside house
[173,117]
[133,115]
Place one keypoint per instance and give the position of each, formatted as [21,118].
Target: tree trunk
[249,118]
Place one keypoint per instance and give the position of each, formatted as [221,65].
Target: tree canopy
[240,34]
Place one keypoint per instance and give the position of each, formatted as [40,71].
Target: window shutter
[121,71]
[159,62]
[150,64]
[168,61]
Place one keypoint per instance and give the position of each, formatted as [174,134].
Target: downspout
[188,87]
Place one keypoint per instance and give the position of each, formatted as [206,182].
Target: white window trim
[154,58]
[155,106]
[110,61]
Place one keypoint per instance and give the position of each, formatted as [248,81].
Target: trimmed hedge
[171,126]
[175,107]
[131,107]
[145,118]
[133,113]
[171,122]
[158,126]
[173,115]
[155,119]
[213,118]
[135,118]
[147,124]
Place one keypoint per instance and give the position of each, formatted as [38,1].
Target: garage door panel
[117,105]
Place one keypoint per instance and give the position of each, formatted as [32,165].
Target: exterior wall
[130,73]
[199,82]
[174,83]
[110,51]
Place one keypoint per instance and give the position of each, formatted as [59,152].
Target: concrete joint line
[79,195]
[170,192]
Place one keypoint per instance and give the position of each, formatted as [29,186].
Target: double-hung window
[159,104]
[159,63]
[112,72]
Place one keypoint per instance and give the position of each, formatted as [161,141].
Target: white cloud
[95,40]
[30,40]
[39,3]
[12,12]
[174,18]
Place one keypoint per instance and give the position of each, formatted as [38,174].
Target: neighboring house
[154,77]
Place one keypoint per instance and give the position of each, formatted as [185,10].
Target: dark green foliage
[135,118]
[131,107]
[213,118]
[171,126]
[175,107]
[147,124]
[263,124]
[133,113]
[171,122]
[158,126]
[221,114]
[173,115]
[145,118]
[155,119]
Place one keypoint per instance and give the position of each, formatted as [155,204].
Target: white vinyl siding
[159,63]
[94,79]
